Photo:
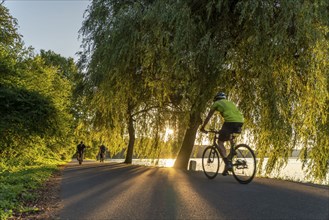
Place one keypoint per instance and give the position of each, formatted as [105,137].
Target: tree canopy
[35,99]
[149,69]
[166,59]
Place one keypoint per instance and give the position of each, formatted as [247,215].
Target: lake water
[292,171]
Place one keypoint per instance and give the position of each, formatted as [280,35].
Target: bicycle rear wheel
[244,164]
[210,162]
[80,158]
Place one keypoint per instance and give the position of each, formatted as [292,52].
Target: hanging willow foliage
[281,69]
[270,56]
[121,69]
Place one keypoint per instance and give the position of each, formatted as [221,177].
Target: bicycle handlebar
[211,131]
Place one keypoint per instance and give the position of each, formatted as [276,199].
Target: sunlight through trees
[160,62]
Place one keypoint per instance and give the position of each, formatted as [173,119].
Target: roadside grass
[17,184]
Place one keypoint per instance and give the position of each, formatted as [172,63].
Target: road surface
[118,191]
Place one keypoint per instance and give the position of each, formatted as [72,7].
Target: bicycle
[101,156]
[80,157]
[242,157]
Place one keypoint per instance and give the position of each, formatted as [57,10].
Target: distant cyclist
[233,121]
[80,151]
[101,153]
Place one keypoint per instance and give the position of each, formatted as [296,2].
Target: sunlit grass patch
[17,183]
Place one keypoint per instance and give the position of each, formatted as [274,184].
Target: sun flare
[168,133]
[169,162]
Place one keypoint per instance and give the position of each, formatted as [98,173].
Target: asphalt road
[118,191]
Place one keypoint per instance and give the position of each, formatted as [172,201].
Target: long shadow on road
[80,181]
[120,191]
[263,198]
[85,190]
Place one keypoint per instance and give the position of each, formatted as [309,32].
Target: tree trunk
[188,142]
[131,132]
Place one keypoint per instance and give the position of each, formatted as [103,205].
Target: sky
[50,24]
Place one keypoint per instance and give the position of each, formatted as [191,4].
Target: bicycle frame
[232,143]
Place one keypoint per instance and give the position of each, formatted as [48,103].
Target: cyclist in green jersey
[233,121]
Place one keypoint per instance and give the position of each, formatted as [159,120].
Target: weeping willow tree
[280,68]
[202,39]
[140,71]
[120,72]
[270,56]
[274,63]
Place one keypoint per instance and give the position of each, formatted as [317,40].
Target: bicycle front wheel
[244,164]
[210,162]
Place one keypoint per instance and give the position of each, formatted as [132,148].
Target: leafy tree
[274,66]
[263,73]
[36,98]
[9,37]
[65,66]
[270,57]
[23,114]
[10,44]
[124,85]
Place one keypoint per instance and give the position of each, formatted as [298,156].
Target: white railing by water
[292,171]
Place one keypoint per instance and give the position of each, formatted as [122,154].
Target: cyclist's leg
[227,129]
[235,128]
[224,135]
[221,148]
[231,128]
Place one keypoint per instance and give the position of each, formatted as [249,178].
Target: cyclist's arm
[211,112]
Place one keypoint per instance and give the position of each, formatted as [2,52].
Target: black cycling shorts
[229,128]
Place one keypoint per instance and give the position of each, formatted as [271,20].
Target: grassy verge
[18,182]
